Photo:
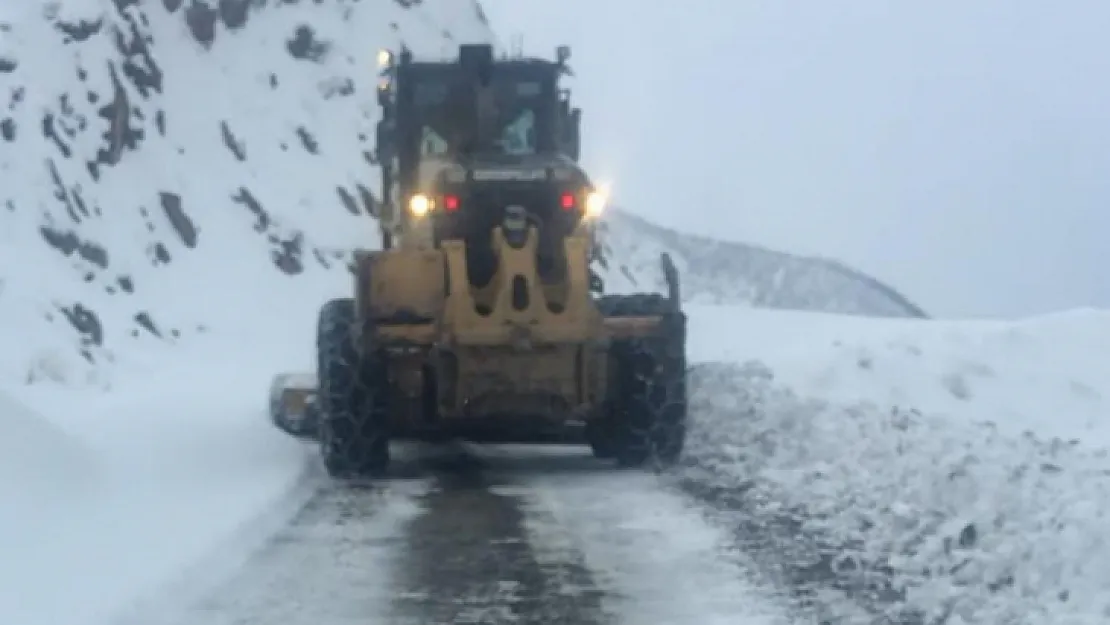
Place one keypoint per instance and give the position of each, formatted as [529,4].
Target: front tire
[647,405]
[353,396]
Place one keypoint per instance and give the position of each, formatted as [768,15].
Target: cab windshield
[456,118]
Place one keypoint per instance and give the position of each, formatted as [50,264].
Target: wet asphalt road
[459,535]
[469,560]
[435,543]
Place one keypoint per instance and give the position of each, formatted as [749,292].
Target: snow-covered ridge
[723,272]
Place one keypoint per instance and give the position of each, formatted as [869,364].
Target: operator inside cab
[477,118]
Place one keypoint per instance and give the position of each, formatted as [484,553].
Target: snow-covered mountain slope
[722,272]
[174,168]
[962,464]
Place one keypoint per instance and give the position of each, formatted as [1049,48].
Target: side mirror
[670,277]
[574,139]
[383,141]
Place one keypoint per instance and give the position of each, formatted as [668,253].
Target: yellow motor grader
[479,318]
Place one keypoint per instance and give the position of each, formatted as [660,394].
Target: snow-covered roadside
[160,473]
[968,457]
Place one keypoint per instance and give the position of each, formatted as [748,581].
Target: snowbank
[179,468]
[1049,374]
[966,460]
[37,458]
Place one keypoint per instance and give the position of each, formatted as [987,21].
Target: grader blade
[293,408]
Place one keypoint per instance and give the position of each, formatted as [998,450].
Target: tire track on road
[469,560]
[653,556]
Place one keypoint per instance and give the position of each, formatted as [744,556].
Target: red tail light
[451,203]
[567,201]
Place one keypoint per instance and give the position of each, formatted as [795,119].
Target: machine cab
[462,143]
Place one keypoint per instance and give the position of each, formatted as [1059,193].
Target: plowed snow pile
[37,459]
[964,462]
[142,487]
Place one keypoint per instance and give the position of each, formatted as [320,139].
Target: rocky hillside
[177,170]
[175,167]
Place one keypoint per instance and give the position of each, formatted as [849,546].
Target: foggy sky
[958,150]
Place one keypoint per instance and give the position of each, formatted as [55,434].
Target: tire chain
[353,384]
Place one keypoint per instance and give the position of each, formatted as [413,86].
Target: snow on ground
[159,476]
[332,564]
[969,457]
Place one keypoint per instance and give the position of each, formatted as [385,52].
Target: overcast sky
[958,150]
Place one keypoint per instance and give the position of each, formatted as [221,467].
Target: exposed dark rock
[158,253]
[182,224]
[201,20]
[61,193]
[369,202]
[144,320]
[120,135]
[233,13]
[49,132]
[16,98]
[481,14]
[287,256]
[308,141]
[304,46]
[79,202]
[237,148]
[138,63]
[245,198]
[121,5]
[347,200]
[86,323]
[68,242]
[79,31]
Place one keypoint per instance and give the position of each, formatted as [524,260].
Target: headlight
[385,58]
[595,203]
[420,205]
